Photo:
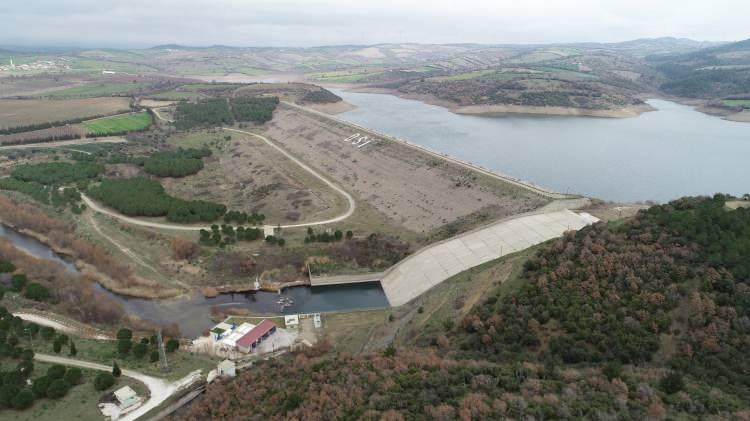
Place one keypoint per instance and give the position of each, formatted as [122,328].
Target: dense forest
[179,163]
[219,111]
[139,196]
[57,173]
[645,319]
[257,109]
[204,113]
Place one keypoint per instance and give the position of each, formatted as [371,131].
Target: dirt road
[160,390]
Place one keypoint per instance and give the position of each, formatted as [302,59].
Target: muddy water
[192,314]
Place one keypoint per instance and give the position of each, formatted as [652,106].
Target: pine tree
[116,370]
[73,350]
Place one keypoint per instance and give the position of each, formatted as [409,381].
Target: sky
[302,23]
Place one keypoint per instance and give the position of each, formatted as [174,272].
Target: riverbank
[704,106]
[490,110]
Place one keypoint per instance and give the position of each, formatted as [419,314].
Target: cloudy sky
[143,23]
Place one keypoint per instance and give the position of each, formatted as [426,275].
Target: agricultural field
[466,75]
[97,89]
[44,135]
[344,76]
[743,103]
[26,112]
[118,124]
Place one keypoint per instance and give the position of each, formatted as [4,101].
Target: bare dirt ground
[414,190]
[248,175]
[31,111]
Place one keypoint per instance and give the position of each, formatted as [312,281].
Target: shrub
[18,282]
[57,389]
[154,356]
[612,370]
[671,383]
[123,346]
[40,386]
[103,381]
[73,349]
[57,346]
[116,372]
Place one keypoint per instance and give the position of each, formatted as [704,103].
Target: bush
[56,372]
[57,389]
[73,376]
[18,282]
[116,372]
[154,356]
[172,345]
[73,349]
[23,399]
[57,346]
[612,370]
[103,381]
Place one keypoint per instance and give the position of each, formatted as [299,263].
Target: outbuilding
[227,368]
[291,321]
[126,397]
[259,333]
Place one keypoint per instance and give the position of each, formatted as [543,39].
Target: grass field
[97,89]
[119,124]
[343,76]
[744,103]
[465,76]
[24,112]
[79,404]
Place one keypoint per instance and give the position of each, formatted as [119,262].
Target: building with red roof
[252,338]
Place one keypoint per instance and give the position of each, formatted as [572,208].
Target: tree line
[179,163]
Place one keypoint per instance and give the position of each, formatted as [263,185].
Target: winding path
[135,221]
[159,389]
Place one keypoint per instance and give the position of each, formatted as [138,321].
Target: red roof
[258,331]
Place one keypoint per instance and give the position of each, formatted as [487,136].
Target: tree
[154,356]
[40,386]
[57,346]
[18,282]
[140,349]
[672,383]
[125,333]
[47,332]
[73,350]
[183,249]
[172,345]
[103,381]
[57,389]
[123,346]
[7,393]
[63,338]
[36,291]
[349,235]
[338,235]
[23,399]
[73,376]
[612,370]
[56,372]
[116,372]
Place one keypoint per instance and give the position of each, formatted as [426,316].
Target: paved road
[510,180]
[437,262]
[135,221]
[60,143]
[160,390]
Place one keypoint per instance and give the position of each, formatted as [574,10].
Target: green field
[97,89]
[465,76]
[343,76]
[744,103]
[118,124]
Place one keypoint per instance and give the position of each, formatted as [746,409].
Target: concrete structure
[227,335]
[252,339]
[435,263]
[316,321]
[291,321]
[227,368]
[126,397]
[345,279]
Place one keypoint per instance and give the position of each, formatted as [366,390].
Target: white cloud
[326,22]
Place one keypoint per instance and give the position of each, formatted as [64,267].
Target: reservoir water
[193,314]
[660,155]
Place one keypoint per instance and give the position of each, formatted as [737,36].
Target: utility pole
[162,352]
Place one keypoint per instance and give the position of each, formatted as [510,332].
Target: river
[192,314]
[660,155]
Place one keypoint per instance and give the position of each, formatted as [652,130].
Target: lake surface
[661,155]
[192,314]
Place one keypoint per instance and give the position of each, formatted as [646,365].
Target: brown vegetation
[183,249]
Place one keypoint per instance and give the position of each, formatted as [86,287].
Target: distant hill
[708,73]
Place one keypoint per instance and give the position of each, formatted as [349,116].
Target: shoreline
[490,110]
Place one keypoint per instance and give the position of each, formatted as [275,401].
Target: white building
[126,397]
[227,368]
[291,321]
